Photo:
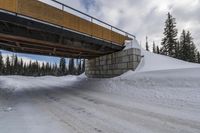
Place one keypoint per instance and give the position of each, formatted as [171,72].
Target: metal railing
[93,18]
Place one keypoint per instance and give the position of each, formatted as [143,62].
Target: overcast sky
[141,17]
[144,17]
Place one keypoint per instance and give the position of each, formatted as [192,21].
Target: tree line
[17,66]
[181,48]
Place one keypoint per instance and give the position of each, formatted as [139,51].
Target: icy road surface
[162,96]
[148,102]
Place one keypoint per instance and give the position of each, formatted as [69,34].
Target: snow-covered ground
[162,96]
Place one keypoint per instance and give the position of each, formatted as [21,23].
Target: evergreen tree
[48,68]
[177,50]
[79,69]
[62,66]
[188,49]
[15,65]
[8,66]
[154,47]
[198,57]
[55,70]
[21,65]
[35,68]
[192,50]
[170,37]
[1,64]
[25,69]
[184,54]
[43,69]
[147,44]
[158,50]
[83,66]
[29,69]
[71,67]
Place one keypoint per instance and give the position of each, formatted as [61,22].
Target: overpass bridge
[31,26]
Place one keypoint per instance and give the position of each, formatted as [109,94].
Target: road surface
[100,106]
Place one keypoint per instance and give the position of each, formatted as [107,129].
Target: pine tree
[12,67]
[55,70]
[15,65]
[48,67]
[1,64]
[43,69]
[25,69]
[182,44]
[8,66]
[157,50]
[188,49]
[71,67]
[177,50]
[29,67]
[21,71]
[79,69]
[36,68]
[184,54]
[154,47]
[170,37]
[62,66]
[198,57]
[147,44]
[193,50]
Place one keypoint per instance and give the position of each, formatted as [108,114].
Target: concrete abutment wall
[114,64]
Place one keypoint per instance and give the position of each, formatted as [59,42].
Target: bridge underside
[19,34]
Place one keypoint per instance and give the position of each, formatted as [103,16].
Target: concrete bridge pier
[114,64]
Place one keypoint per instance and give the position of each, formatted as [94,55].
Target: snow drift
[162,96]
[156,62]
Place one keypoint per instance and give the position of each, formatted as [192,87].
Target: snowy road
[150,102]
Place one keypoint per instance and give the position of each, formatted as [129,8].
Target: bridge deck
[69,36]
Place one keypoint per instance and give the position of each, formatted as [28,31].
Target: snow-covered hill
[161,96]
[156,62]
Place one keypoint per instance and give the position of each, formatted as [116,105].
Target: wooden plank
[9,5]
[97,31]
[85,26]
[71,21]
[107,34]
[118,38]
[41,11]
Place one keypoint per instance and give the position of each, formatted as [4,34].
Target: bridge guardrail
[93,18]
[40,11]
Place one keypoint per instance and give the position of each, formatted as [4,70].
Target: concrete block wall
[113,65]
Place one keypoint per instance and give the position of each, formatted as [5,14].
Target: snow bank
[155,62]
[150,62]
[21,82]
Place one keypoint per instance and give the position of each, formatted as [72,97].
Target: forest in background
[17,66]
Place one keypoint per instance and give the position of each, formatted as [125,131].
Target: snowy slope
[155,62]
[162,96]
